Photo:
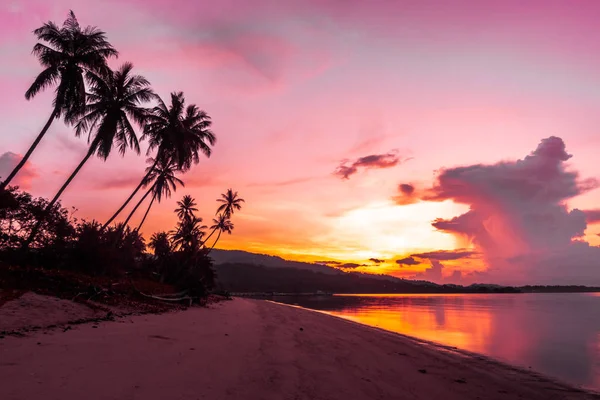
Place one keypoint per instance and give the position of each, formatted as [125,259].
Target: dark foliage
[112,251]
[19,212]
[64,243]
[249,278]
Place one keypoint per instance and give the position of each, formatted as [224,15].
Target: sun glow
[383,229]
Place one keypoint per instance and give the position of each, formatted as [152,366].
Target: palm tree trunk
[131,196]
[206,240]
[137,206]
[36,228]
[147,211]
[30,151]
[216,240]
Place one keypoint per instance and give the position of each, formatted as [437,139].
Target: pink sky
[297,88]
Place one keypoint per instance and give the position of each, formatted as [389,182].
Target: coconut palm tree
[66,54]
[187,237]
[175,133]
[115,98]
[186,207]
[223,224]
[231,202]
[162,174]
[159,243]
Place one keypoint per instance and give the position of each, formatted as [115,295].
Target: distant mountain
[241,271]
[250,278]
[244,257]
[282,276]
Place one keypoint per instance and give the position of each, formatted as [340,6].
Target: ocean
[557,334]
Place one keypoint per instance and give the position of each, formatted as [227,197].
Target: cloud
[407,195]
[8,161]
[446,255]
[407,261]
[329,263]
[592,216]
[435,273]
[351,265]
[518,217]
[376,260]
[374,161]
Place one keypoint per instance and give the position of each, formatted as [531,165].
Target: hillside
[250,278]
[244,257]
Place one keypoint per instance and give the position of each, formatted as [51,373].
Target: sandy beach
[251,349]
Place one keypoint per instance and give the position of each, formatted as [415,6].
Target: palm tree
[176,133]
[231,202]
[165,181]
[65,53]
[223,224]
[115,98]
[186,207]
[159,243]
[188,235]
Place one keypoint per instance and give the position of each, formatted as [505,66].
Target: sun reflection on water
[557,333]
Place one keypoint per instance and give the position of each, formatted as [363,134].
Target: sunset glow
[343,125]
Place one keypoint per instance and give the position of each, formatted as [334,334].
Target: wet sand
[251,349]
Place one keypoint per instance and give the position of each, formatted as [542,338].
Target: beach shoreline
[455,351]
[253,349]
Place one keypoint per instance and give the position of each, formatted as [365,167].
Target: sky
[453,141]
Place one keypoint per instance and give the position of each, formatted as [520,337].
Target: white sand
[245,349]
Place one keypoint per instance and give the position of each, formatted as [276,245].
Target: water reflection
[557,334]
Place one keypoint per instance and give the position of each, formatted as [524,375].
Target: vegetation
[108,106]
[258,279]
[67,54]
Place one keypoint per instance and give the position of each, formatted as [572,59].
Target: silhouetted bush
[20,212]
[111,251]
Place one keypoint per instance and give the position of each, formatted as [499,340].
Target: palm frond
[48,77]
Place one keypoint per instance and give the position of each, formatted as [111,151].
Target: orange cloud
[407,195]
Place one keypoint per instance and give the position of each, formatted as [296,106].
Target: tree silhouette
[159,243]
[186,207]
[187,237]
[115,97]
[223,224]
[231,202]
[164,182]
[66,54]
[177,134]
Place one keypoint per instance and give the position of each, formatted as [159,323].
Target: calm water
[557,334]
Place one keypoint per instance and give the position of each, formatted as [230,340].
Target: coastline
[253,349]
[455,351]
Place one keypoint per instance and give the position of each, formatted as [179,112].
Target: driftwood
[170,297]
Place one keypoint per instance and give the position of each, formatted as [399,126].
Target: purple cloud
[374,161]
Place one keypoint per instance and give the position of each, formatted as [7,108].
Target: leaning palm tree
[115,98]
[223,224]
[186,207]
[231,202]
[66,54]
[175,133]
[165,182]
